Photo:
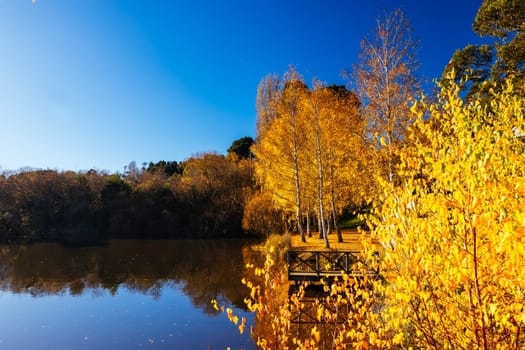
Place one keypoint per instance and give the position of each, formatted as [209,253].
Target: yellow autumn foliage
[312,154]
[453,229]
[452,255]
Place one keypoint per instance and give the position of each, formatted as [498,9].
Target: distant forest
[201,197]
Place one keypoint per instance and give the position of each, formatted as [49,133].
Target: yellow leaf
[214,304]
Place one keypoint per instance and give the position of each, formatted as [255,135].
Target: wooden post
[317,267]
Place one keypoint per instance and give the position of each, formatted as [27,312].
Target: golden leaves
[454,245]
[312,154]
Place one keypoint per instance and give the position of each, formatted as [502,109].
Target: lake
[127,294]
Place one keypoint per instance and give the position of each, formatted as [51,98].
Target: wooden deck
[312,265]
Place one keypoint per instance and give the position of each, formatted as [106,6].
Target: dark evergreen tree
[241,148]
[487,66]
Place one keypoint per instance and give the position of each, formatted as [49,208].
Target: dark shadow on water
[203,269]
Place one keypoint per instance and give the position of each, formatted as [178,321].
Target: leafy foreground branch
[340,315]
[455,226]
[452,234]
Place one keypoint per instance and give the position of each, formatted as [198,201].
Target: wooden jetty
[312,265]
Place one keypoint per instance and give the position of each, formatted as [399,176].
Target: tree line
[201,197]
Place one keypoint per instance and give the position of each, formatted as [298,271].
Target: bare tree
[267,94]
[386,81]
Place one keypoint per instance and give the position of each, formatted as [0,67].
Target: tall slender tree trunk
[336,226]
[320,177]
[298,212]
[319,226]
[332,204]
[308,215]
[322,229]
[390,159]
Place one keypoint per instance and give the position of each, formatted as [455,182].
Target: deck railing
[308,265]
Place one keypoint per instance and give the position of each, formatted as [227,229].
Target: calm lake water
[127,294]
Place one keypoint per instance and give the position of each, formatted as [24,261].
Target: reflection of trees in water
[203,269]
[330,314]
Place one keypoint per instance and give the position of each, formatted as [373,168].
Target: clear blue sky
[99,83]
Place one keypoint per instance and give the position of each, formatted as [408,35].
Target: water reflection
[126,270]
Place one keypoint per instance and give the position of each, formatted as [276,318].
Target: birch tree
[386,82]
[280,144]
[346,153]
[267,95]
